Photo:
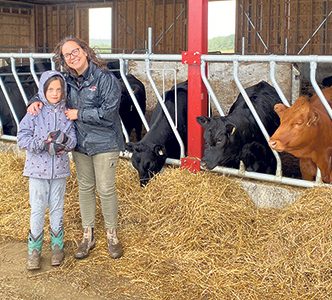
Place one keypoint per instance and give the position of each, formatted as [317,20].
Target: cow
[257,158]
[128,112]
[30,88]
[149,154]
[226,136]
[305,131]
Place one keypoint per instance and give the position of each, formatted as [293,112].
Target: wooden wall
[17,27]
[265,26]
[284,26]
[167,18]
[37,28]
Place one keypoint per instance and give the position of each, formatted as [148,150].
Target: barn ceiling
[47,2]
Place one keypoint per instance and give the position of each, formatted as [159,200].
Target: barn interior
[186,236]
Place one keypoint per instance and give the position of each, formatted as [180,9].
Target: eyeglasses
[73,53]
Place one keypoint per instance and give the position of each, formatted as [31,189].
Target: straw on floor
[190,236]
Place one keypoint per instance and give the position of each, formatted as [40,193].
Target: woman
[93,104]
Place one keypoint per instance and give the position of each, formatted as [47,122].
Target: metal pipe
[9,103]
[33,72]
[132,95]
[18,82]
[255,115]
[164,108]
[275,84]
[209,89]
[313,66]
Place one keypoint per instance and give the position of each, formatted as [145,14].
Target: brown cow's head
[298,124]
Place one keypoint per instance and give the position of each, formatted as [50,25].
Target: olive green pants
[97,174]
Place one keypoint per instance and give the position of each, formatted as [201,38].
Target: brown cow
[306,132]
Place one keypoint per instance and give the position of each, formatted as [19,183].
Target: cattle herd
[303,131]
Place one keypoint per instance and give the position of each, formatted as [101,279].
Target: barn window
[100,29]
[221,26]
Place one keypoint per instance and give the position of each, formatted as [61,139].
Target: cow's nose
[272,143]
[203,164]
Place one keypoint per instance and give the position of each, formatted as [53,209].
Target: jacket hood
[44,77]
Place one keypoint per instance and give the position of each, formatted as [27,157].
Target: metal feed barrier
[205,59]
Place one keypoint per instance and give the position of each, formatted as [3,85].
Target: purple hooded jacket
[33,131]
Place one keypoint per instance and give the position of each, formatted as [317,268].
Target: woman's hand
[35,107]
[72,114]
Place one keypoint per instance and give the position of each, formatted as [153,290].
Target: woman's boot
[114,246]
[87,244]
[35,245]
[57,247]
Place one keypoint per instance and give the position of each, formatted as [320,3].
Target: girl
[47,137]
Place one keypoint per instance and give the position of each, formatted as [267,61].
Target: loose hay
[190,236]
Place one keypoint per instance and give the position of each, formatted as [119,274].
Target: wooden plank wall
[167,18]
[17,28]
[285,26]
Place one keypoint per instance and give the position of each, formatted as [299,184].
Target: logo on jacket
[93,88]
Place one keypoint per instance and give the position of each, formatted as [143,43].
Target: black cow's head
[148,160]
[220,142]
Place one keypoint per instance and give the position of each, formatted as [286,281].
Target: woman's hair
[53,78]
[91,55]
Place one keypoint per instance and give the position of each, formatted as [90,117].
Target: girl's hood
[44,77]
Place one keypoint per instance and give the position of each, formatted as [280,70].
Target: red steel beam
[197,95]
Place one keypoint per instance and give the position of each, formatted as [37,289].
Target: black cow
[30,88]
[149,154]
[257,158]
[225,137]
[128,112]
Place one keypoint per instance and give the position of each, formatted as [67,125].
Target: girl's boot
[57,247]
[35,245]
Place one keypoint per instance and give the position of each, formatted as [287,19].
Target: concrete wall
[220,78]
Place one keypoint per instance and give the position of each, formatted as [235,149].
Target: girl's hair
[53,78]
[91,55]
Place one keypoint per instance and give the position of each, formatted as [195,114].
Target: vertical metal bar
[255,115]
[197,96]
[164,108]
[18,82]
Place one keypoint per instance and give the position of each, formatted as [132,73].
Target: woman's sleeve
[71,134]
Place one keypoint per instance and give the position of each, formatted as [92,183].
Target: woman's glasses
[73,53]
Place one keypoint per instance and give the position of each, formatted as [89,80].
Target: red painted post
[197,95]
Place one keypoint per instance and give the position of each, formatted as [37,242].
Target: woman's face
[75,57]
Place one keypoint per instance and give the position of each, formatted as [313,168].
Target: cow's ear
[280,108]
[230,129]
[203,121]
[159,150]
[313,118]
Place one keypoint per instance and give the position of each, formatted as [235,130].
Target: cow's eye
[298,123]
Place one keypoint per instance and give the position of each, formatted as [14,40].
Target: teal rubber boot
[34,251]
[57,246]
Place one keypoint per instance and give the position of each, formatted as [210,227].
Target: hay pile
[191,236]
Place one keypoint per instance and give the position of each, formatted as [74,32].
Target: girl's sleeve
[25,136]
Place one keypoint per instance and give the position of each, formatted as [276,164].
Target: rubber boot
[114,246]
[87,244]
[57,247]
[34,251]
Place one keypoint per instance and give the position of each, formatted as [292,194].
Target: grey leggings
[45,193]
[97,173]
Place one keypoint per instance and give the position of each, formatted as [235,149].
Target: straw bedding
[190,236]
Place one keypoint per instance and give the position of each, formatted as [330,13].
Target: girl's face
[54,92]
[75,57]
